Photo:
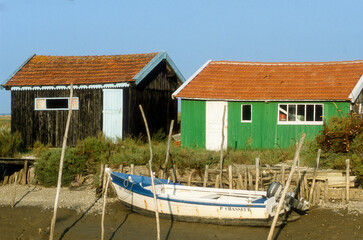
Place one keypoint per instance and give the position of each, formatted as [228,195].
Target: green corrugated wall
[262,133]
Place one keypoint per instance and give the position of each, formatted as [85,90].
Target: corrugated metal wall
[262,133]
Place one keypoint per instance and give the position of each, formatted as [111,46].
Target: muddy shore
[79,217]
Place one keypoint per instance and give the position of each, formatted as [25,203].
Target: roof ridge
[111,55]
[288,63]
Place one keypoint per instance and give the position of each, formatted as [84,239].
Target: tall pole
[152,175]
[61,163]
[282,199]
[221,156]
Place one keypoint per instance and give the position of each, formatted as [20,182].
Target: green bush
[47,166]
[339,133]
[96,150]
[10,144]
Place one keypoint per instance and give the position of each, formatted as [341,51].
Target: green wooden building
[267,105]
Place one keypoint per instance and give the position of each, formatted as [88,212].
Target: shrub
[339,133]
[10,144]
[96,150]
[47,167]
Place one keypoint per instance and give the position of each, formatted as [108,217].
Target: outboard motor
[275,190]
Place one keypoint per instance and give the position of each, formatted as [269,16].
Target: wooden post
[121,168]
[240,181]
[221,156]
[104,208]
[246,178]
[25,172]
[230,176]
[326,191]
[347,181]
[152,175]
[250,181]
[132,168]
[283,174]
[306,194]
[282,199]
[257,173]
[205,180]
[61,164]
[104,179]
[100,176]
[190,178]
[217,184]
[168,150]
[314,177]
[14,195]
[174,174]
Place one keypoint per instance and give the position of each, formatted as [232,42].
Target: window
[300,114]
[56,103]
[246,113]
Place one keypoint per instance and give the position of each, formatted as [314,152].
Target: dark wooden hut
[107,92]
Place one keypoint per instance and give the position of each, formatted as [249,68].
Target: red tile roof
[226,80]
[64,70]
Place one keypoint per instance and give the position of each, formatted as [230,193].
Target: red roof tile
[64,70]
[274,81]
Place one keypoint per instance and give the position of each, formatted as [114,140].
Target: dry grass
[5,122]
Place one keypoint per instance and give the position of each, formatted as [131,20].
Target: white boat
[198,204]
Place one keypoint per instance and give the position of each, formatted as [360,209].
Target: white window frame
[297,121]
[36,108]
[245,121]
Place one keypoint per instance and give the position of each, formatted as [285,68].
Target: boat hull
[204,208]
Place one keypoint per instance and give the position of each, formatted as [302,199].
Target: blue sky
[191,31]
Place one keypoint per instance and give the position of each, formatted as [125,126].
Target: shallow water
[32,223]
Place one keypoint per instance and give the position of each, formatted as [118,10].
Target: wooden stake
[282,199]
[205,180]
[14,195]
[104,179]
[246,178]
[240,181]
[347,180]
[326,191]
[121,168]
[283,174]
[168,150]
[306,187]
[314,177]
[230,176]
[222,143]
[190,178]
[257,173]
[152,175]
[132,168]
[250,181]
[25,172]
[100,176]
[104,208]
[217,184]
[61,164]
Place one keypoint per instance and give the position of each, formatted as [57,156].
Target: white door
[112,113]
[214,115]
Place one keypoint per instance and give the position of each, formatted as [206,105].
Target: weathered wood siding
[154,94]
[49,126]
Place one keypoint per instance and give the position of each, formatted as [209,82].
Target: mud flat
[79,217]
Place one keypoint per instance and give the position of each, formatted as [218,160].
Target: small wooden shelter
[268,105]
[107,92]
